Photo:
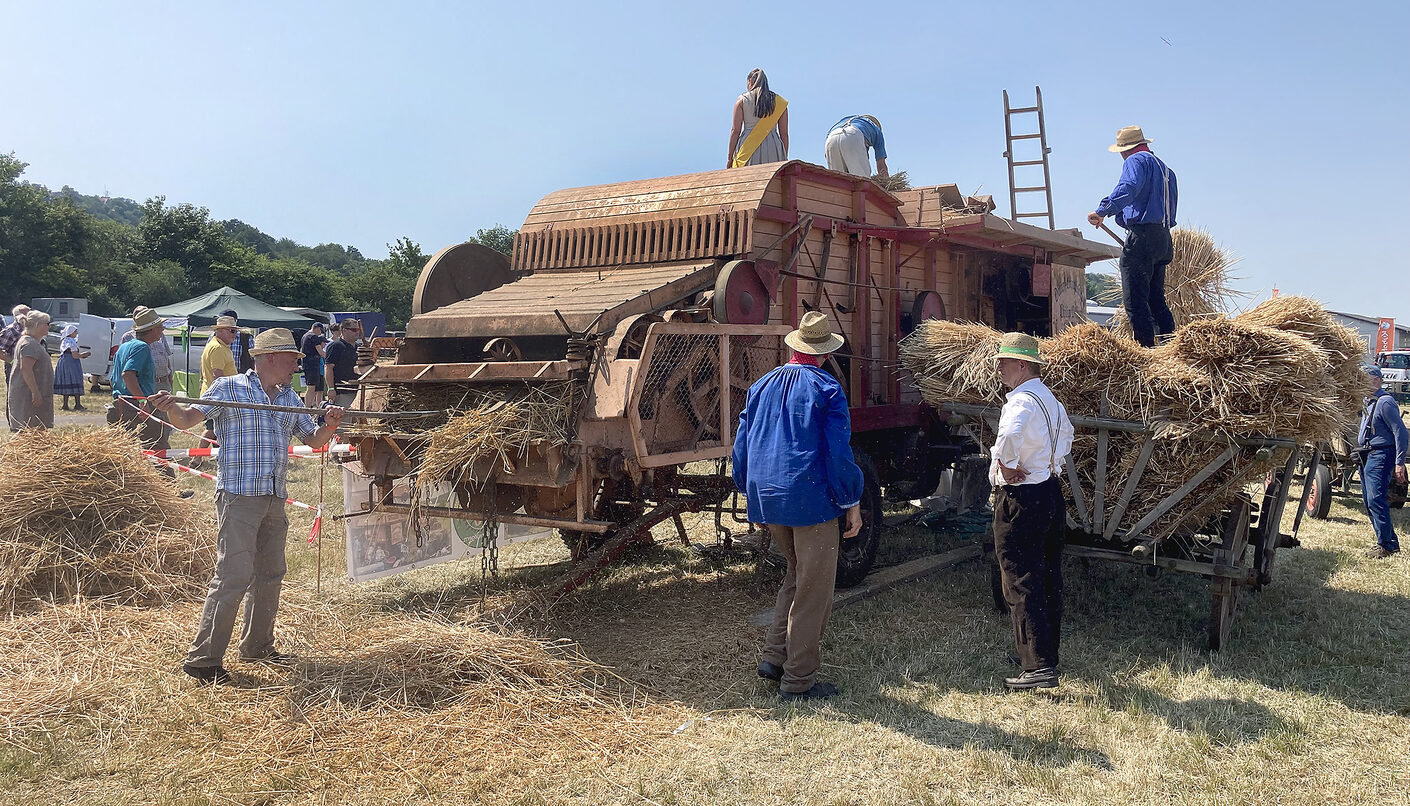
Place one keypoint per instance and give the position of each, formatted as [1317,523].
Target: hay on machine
[84,514]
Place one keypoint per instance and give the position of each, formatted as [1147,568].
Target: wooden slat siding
[825,201]
[893,325]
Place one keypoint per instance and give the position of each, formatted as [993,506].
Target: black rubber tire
[856,555]
[1319,493]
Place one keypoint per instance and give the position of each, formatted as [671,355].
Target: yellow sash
[759,132]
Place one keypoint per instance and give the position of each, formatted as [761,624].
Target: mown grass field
[1310,703]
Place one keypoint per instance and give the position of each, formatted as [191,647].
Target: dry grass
[83,514]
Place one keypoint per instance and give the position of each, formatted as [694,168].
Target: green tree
[1103,288]
[186,235]
[499,238]
[387,285]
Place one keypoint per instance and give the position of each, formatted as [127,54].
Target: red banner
[1385,336]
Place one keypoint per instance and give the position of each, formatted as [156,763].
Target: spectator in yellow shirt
[217,360]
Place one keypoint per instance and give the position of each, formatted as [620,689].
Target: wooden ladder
[1041,136]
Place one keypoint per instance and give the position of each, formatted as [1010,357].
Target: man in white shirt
[1030,515]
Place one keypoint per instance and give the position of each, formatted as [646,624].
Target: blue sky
[358,123]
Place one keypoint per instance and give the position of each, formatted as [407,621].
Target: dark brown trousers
[1029,521]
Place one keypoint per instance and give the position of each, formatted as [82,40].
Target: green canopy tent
[202,311]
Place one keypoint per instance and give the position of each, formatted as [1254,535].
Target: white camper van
[100,336]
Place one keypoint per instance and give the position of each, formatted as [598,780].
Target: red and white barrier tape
[294,450]
[317,511]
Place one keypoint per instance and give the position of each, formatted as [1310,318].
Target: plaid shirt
[254,445]
[10,336]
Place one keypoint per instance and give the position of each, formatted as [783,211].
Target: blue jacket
[792,453]
[1387,429]
[1139,197]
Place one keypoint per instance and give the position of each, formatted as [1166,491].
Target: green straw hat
[1021,346]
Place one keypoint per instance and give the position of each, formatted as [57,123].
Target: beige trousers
[794,641]
[249,565]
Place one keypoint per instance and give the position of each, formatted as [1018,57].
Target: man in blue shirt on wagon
[1144,204]
[793,462]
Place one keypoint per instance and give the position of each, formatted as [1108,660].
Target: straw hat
[1128,138]
[227,321]
[1021,346]
[144,318]
[814,336]
[275,340]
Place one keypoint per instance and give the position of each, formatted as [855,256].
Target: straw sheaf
[84,514]
[1285,369]
[1196,280]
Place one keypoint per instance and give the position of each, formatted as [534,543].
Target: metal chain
[489,535]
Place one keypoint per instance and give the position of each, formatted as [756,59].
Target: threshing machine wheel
[459,272]
[616,501]
[629,337]
[503,349]
[856,555]
[740,298]
[1231,551]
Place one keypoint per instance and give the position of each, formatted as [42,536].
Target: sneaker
[185,493]
[1381,552]
[819,691]
[215,675]
[770,671]
[1046,677]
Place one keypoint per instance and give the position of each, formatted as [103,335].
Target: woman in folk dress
[68,375]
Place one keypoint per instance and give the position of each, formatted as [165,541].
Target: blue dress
[68,374]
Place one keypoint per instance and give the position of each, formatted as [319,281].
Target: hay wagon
[1209,525]
[655,304]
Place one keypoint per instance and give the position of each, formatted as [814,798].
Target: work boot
[1380,552]
[214,675]
[1046,677]
[819,691]
[770,671]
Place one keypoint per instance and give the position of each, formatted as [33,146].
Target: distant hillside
[123,211]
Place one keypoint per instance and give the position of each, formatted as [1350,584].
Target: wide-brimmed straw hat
[814,336]
[275,340]
[1128,138]
[1021,346]
[227,321]
[144,318]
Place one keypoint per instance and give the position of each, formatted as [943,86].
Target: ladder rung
[1028,162]
[1025,136]
[1030,190]
[1032,215]
[1018,110]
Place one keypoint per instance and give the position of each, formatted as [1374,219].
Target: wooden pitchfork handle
[1113,235]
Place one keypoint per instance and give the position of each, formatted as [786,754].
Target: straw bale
[84,514]
[954,362]
[1344,346]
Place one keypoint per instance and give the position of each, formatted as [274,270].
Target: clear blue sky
[358,122]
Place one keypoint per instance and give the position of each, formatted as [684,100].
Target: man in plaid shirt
[249,500]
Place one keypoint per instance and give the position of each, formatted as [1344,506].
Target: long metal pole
[370,415]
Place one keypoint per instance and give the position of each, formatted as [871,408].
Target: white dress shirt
[1024,440]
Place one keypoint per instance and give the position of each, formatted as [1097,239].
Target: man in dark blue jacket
[1382,442]
[793,462]
[1144,204]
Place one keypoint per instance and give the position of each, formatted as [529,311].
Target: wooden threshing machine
[665,299]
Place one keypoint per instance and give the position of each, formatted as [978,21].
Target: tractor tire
[856,555]
[1319,493]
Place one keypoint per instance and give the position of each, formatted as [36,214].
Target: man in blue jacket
[1144,204]
[1381,442]
[793,462]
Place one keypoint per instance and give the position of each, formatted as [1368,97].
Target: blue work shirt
[1140,197]
[136,356]
[1387,429]
[793,454]
[870,132]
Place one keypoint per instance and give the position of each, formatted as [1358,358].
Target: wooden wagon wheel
[1231,552]
[503,349]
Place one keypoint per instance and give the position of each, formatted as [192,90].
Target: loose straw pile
[1285,369]
[84,514]
[407,701]
[497,427]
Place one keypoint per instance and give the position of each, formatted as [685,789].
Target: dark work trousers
[1146,253]
[1029,520]
[1375,492]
